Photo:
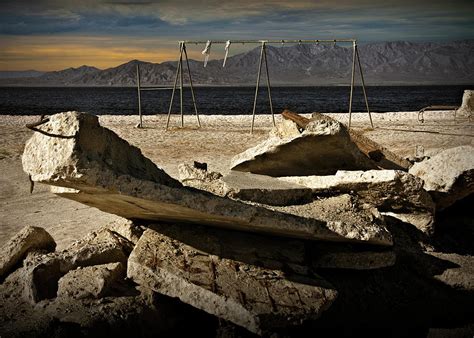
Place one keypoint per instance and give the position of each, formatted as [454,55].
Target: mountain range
[385,63]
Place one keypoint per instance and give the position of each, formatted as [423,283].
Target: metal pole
[363,86]
[352,82]
[256,87]
[140,125]
[174,86]
[181,86]
[191,85]
[268,83]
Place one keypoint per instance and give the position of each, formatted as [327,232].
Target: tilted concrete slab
[321,149]
[79,157]
[250,296]
[324,147]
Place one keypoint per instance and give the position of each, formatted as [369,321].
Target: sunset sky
[56,34]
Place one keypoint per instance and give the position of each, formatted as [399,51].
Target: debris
[256,298]
[95,167]
[42,272]
[393,192]
[91,282]
[28,239]
[448,176]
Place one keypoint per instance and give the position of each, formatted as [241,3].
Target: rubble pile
[308,225]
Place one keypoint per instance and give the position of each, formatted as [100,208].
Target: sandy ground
[219,139]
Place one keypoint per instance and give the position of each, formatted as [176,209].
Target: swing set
[263,59]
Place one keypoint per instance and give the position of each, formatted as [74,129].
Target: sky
[56,34]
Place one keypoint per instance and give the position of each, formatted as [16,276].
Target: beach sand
[220,138]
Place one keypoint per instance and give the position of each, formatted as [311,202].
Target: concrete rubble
[92,281]
[297,228]
[447,176]
[245,186]
[256,298]
[392,192]
[28,239]
[322,148]
[467,106]
[43,272]
[94,166]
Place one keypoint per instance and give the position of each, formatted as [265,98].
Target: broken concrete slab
[201,179]
[321,149]
[92,281]
[256,298]
[126,229]
[393,192]
[28,239]
[89,179]
[324,147]
[467,106]
[42,272]
[448,176]
[245,186]
[265,189]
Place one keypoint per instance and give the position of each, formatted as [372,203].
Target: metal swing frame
[263,58]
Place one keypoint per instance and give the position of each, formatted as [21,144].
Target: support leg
[363,87]
[140,125]
[352,82]
[191,85]
[181,86]
[178,69]
[256,87]
[268,84]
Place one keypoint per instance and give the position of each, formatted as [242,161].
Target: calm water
[223,100]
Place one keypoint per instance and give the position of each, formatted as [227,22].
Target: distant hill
[385,63]
[19,74]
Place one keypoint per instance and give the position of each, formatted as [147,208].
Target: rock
[28,239]
[321,149]
[62,151]
[324,147]
[91,282]
[286,129]
[448,176]
[126,229]
[201,179]
[245,186]
[393,192]
[467,106]
[265,189]
[42,272]
[255,298]
[82,173]
[344,215]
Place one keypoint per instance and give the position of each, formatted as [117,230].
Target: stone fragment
[28,239]
[201,179]
[42,272]
[265,189]
[253,297]
[393,192]
[467,106]
[101,179]
[126,229]
[448,176]
[91,282]
[321,149]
